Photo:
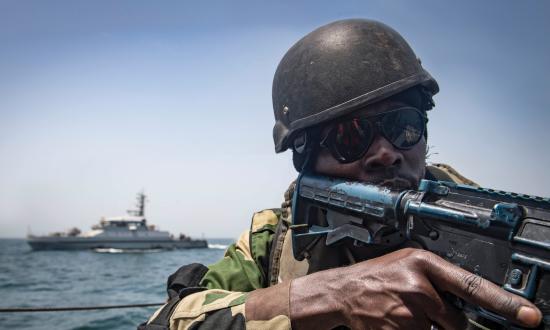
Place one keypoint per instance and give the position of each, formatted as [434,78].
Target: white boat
[130,231]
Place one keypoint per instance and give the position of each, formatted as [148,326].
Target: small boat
[130,231]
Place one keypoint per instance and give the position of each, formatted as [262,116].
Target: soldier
[351,101]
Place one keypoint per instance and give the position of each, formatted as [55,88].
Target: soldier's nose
[382,154]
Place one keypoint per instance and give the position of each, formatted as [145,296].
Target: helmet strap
[304,150]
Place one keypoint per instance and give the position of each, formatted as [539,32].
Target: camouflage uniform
[261,257]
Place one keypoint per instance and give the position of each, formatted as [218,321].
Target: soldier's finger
[478,291]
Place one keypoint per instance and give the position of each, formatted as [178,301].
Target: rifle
[501,236]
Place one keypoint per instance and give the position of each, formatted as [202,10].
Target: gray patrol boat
[126,232]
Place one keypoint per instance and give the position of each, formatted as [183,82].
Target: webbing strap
[274,265]
[187,276]
[183,282]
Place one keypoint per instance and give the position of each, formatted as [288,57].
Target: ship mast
[140,212]
[141,204]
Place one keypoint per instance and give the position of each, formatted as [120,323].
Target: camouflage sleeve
[243,269]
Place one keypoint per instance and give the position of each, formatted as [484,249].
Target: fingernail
[528,315]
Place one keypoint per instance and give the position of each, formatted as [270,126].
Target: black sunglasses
[348,140]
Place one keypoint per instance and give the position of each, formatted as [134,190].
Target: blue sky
[100,99]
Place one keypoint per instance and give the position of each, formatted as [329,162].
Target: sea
[89,278]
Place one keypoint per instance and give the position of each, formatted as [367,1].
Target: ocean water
[88,278]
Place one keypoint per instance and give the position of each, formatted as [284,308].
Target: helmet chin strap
[308,163]
[305,151]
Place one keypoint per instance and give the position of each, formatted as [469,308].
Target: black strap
[276,250]
[183,282]
[185,277]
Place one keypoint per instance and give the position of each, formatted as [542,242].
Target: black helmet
[339,68]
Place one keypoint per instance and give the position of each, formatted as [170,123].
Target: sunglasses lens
[351,139]
[403,128]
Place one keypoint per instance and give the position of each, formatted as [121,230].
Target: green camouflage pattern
[242,269]
[245,263]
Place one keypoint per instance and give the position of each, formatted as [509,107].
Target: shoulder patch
[265,218]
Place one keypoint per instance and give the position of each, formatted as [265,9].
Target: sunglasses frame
[375,121]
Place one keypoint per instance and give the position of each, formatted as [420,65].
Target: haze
[101,99]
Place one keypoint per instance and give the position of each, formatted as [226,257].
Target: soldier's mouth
[391,177]
[396,183]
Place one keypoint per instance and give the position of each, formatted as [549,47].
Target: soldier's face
[382,163]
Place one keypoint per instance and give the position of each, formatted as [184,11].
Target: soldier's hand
[403,290]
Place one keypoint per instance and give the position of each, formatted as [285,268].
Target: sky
[102,99]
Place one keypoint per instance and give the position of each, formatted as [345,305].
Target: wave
[217,246]
[13,285]
[113,250]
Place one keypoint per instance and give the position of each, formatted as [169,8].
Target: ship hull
[76,243]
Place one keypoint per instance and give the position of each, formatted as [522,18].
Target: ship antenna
[140,212]
[141,204]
